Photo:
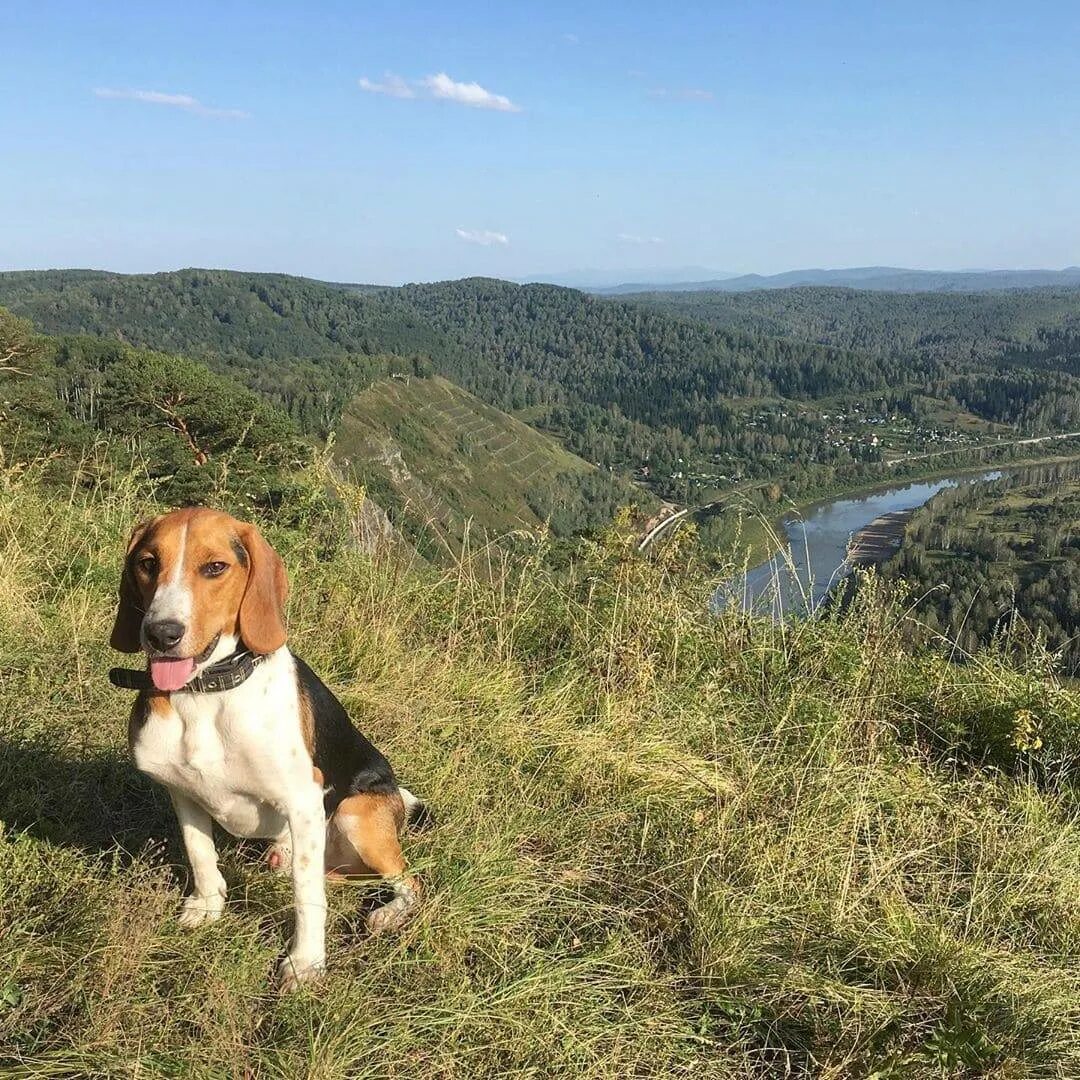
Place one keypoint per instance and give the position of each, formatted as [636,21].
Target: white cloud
[176,101]
[681,94]
[484,237]
[391,86]
[633,238]
[471,94]
[571,39]
[440,87]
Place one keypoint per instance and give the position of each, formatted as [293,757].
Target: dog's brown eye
[215,569]
[148,565]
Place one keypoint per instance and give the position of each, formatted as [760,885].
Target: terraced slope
[443,463]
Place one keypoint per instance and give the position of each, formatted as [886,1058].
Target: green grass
[668,844]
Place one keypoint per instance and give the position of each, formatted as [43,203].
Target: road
[986,446]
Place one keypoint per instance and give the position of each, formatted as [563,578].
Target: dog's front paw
[295,969]
[201,909]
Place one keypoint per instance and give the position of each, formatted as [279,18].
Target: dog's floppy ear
[262,610]
[125,632]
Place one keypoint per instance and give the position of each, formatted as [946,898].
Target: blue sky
[417,141]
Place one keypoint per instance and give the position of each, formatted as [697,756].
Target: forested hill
[999,561]
[689,404]
[620,384]
[78,411]
[230,314]
[1020,324]
[519,342]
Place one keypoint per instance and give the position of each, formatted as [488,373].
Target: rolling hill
[620,386]
[442,463]
[681,397]
[953,326]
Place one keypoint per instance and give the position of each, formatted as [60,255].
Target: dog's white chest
[236,753]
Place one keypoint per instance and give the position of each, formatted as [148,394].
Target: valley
[803,392]
[820,543]
[477,409]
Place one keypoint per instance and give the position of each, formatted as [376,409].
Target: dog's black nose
[164,634]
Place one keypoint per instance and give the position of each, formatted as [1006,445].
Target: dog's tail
[418,815]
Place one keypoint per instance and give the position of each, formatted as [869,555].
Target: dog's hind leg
[418,815]
[362,841]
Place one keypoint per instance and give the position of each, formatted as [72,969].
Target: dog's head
[193,578]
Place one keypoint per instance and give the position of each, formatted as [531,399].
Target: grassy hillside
[441,462]
[669,843]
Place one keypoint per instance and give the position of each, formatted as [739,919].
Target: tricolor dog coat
[242,732]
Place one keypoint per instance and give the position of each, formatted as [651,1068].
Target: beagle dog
[242,732]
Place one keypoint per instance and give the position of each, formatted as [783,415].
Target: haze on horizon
[360,143]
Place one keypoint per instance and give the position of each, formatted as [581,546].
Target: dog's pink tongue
[170,674]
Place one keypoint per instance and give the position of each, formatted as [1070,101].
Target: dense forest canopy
[688,401]
[952,326]
[78,406]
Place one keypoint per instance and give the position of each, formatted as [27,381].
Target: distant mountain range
[879,278]
[611,280]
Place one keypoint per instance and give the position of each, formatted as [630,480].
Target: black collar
[226,674]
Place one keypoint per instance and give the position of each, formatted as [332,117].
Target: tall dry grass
[669,842]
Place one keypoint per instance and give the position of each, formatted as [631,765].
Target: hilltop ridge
[670,840]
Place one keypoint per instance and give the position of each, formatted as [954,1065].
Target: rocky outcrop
[372,530]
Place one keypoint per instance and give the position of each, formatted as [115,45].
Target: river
[827,539]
